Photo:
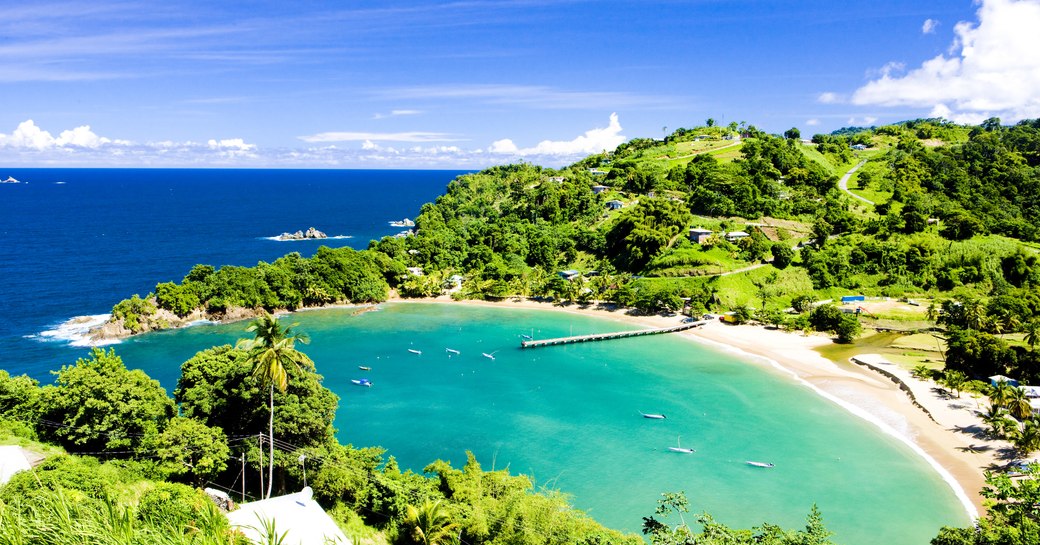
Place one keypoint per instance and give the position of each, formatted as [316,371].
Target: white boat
[679,448]
[490,356]
[364,367]
[414,351]
[759,464]
[653,416]
[362,382]
[452,351]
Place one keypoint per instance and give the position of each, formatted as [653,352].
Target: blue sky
[405,84]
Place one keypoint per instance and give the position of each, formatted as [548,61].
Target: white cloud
[865,121]
[82,137]
[396,113]
[828,98]
[992,70]
[230,144]
[31,137]
[414,136]
[929,26]
[593,141]
[812,122]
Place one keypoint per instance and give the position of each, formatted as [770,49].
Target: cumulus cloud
[865,121]
[593,141]
[414,136]
[230,144]
[929,26]
[992,69]
[828,98]
[31,137]
[812,122]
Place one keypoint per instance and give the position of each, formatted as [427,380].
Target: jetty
[608,336]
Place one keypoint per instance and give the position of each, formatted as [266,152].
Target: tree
[189,447]
[1018,404]
[783,255]
[430,524]
[1012,517]
[793,133]
[1032,331]
[98,404]
[954,380]
[273,349]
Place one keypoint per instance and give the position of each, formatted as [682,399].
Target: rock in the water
[300,235]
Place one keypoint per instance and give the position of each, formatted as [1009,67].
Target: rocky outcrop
[310,233]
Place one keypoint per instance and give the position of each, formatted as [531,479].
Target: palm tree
[996,419]
[1018,404]
[1029,439]
[1000,394]
[273,348]
[430,524]
[1032,330]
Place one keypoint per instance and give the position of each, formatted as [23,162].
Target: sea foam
[76,331]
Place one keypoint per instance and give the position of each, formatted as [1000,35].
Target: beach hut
[297,518]
[997,379]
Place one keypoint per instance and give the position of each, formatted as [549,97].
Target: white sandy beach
[947,435]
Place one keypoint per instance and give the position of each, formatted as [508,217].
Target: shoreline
[939,430]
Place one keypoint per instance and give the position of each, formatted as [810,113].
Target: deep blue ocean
[76,241]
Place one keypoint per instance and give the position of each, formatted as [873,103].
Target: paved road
[843,183]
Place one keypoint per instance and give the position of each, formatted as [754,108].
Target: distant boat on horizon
[679,448]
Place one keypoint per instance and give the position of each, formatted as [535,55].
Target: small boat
[414,351]
[526,337]
[679,448]
[362,382]
[452,351]
[490,356]
[759,464]
[364,367]
[653,416]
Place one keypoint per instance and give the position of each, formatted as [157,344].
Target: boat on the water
[526,337]
[414,351]
[653,416]
[362,382]
[760,464]
[364,367]
[679,448]
[452,351]
[490,356]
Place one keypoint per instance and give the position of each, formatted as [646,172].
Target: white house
[615,204]
[597,189]
[698,234]
[734,236]
[12,460]
[297,516]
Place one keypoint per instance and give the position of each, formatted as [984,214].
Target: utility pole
[243,476]
[260,441]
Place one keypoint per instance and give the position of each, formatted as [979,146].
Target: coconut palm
[1028,440]
[1000,393]
[996,418]
[1018,404]
[954,380]
[270,352]
[430,524]
[1032,331]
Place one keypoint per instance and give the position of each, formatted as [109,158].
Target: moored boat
[679,448]
[760,464]
[362,382]
[452,351]
[364,367]
[653,416]
[414,351]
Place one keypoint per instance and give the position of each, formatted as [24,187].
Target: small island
[403,223]
[10,180]
[311,233]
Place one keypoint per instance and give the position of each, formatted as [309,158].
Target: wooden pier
[607,336]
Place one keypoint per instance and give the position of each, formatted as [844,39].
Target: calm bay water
[567,416]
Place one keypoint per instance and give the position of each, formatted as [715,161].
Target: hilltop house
[597,189]
[699,234]
[734,236]
[297,518]
[615,204]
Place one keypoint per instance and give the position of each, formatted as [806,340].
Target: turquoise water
[568,417]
